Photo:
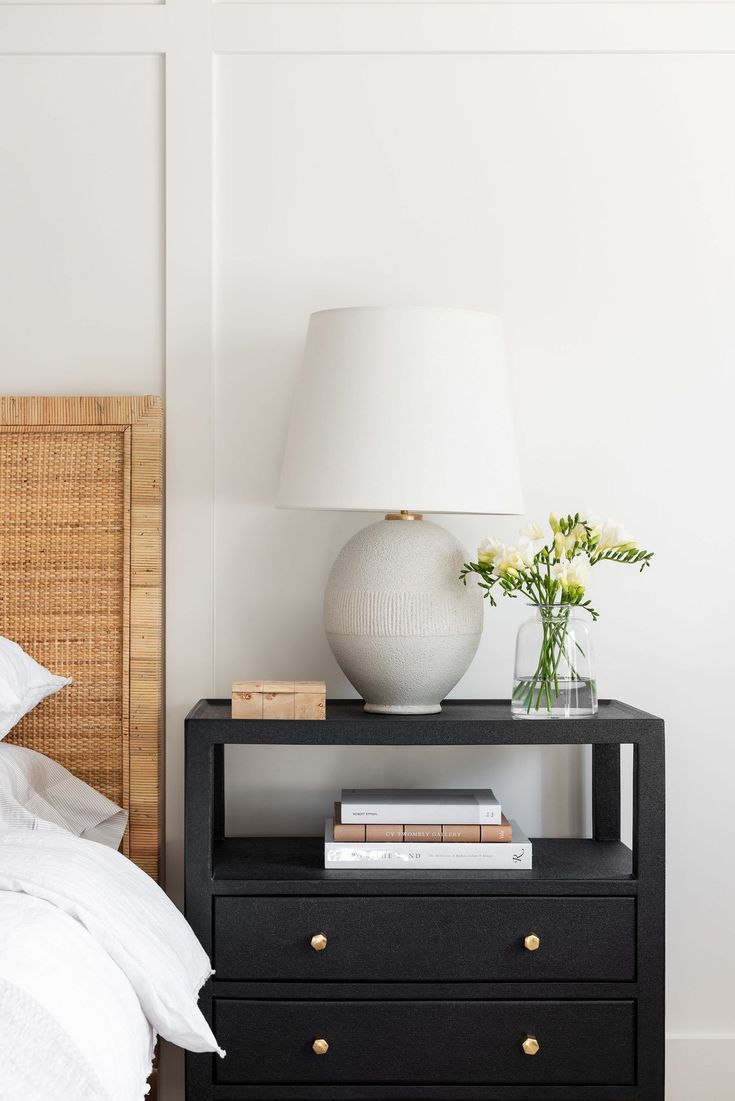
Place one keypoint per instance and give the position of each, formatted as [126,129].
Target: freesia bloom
[593,522]
[527,550]
[533,532]
[532,536]
[573,573]
[488,551]
[509,563]
[613,536]
[564,543]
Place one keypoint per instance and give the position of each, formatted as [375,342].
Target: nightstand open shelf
[286,862]
[447,945]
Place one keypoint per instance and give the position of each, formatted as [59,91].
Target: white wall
[568,166]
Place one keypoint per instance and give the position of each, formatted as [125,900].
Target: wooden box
[279,699]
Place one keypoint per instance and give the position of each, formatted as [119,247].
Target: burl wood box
[279,699]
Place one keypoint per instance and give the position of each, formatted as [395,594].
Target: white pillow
[23,684]
[37,793]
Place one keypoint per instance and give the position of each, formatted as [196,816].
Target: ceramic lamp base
[401,625]
[397,709]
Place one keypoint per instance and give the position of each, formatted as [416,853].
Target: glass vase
[554,670]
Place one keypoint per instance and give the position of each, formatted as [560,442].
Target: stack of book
[423,829]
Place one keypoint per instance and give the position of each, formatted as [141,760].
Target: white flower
[593,522]
[564,543]
[533,532]
[573,573]
[509,563]
[613,536]
[527,550]
[533,536]
[488,551]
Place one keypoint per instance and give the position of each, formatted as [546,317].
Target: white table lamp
[406,409]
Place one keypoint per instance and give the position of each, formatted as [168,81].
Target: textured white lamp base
[401,625]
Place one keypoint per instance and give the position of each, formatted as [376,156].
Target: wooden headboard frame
[81,589]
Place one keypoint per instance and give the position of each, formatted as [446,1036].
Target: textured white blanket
[71,1026]
[94,959]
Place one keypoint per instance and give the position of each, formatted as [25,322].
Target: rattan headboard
[80,590]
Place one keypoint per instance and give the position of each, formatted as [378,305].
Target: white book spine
[422,814]
[515,855]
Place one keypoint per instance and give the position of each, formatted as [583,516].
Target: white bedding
[94,961]
[71,1023]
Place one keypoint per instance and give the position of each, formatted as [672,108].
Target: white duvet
[94,961]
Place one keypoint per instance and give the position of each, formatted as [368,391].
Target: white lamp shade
[402,409]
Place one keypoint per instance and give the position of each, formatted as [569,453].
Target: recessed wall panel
[81,224]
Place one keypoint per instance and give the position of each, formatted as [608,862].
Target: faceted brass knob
[532,942]
[320,1047]
[318,942]
[530,1045]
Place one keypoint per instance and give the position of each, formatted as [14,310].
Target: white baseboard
[700,1068]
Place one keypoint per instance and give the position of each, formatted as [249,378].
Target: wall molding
[84,29]
[474,28]
[371,27]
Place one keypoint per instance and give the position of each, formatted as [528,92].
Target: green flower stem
[553,649]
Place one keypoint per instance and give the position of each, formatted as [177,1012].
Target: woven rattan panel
[81,587]
[62,548]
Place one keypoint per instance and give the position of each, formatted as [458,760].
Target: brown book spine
[422,833]
[461,835]
[383,832]
[499,833]
[347,832]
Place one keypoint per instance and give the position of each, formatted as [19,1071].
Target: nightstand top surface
[460,722]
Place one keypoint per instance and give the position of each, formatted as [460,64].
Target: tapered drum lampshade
[406,410]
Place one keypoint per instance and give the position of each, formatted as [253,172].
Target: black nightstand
[426,988]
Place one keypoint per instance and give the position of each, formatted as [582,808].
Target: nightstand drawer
[418,939]
[589,1042]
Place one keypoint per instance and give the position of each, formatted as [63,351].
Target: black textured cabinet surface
[426,991]
[390,939]
[430,1041]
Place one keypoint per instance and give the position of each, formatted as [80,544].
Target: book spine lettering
[422,833]
[448,834]
[384,814]
[498,833]
[346,831]
[384,832]
[464,835]
[405,857]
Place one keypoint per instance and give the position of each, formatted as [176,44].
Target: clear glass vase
[554,669]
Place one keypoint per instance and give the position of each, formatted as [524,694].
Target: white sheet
[70,1023]
[94,958]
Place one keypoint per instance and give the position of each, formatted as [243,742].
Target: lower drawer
[579,1042]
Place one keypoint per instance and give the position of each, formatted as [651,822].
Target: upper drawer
[589,1042]
[405,939]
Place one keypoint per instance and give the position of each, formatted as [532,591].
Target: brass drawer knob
[318,942]
[530,1045]
[320,1047]
[532,942]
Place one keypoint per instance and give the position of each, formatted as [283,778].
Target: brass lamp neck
[404,514]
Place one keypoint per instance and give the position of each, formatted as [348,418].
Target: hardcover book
[404,856]
[351,831]
[416,806]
